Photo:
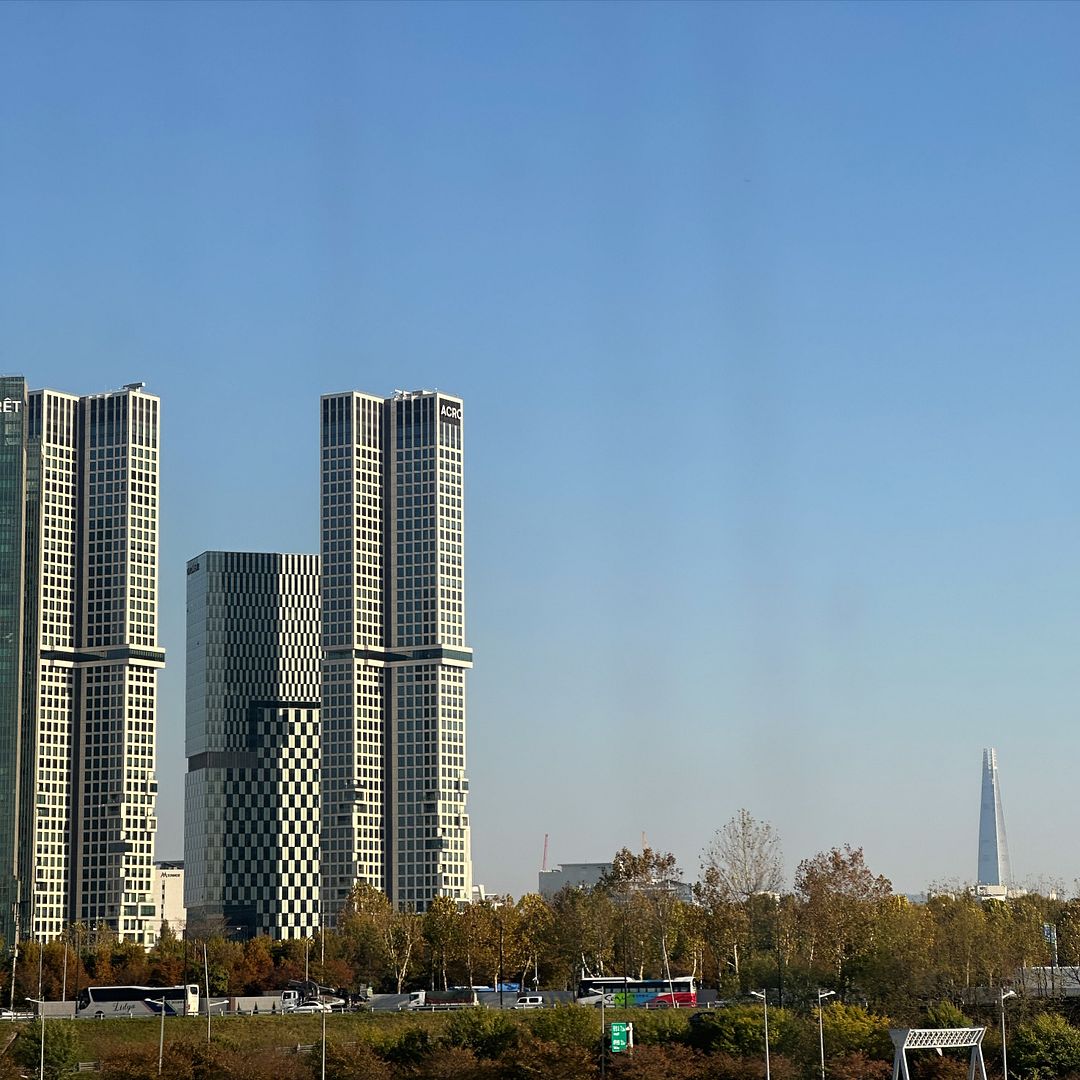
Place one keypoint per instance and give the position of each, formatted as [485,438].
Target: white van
[529,1001]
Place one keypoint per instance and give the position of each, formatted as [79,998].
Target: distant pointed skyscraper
[993,847]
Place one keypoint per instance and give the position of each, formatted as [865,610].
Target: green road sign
[620,1037]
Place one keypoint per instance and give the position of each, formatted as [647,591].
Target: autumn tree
[440,932]
[479,941]
[743,859]
[166,959]
[897,971]
[582,933]
[370,917]
[840,901]
[535,922]
[651,881]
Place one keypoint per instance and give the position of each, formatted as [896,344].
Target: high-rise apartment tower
[993,847]
[78,659]
[394,789]
[251,797]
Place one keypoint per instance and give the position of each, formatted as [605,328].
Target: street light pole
[765,1002]
[161,1037]
[1004,1056]
[41,1017]
[603,1033]
[322,975]
[206,975]
[821,996]
[500,960]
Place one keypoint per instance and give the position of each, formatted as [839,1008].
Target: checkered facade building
[251,838]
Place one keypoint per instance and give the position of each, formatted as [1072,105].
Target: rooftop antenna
[543,865]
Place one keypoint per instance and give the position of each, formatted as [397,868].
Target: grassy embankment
[103,1040]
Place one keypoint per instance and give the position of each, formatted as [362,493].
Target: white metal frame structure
[905,1039]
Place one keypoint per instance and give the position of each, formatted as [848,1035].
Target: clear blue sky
[766,319]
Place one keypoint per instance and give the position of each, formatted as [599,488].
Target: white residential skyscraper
[78,659]
[394,790]
[993,847]
[251,796]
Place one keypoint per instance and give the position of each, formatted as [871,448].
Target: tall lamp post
[322,975]
[39,1002]
[821,996]
[765,1001]
[1004,1057]
[603,1032]
[161,1036]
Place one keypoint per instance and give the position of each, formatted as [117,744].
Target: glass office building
[78,659]
[394,790]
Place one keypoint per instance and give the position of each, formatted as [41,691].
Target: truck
[285,1002]
[460,997]
[282,1002]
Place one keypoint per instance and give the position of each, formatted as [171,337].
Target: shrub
[566,1025]
[411,1048]
[348,1062]
[454,1063]
[944,1014]
[858,1066]
[199,1062]
[533,1059]
[850,1029]
[1047,1046]
[61,1052]
[654,1062]
[739,1030]
[487,1032]
[661,1026]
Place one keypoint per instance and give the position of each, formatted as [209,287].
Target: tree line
[840,927]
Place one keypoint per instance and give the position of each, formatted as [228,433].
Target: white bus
[102,1002]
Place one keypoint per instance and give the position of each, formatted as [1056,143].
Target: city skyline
[765,320]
